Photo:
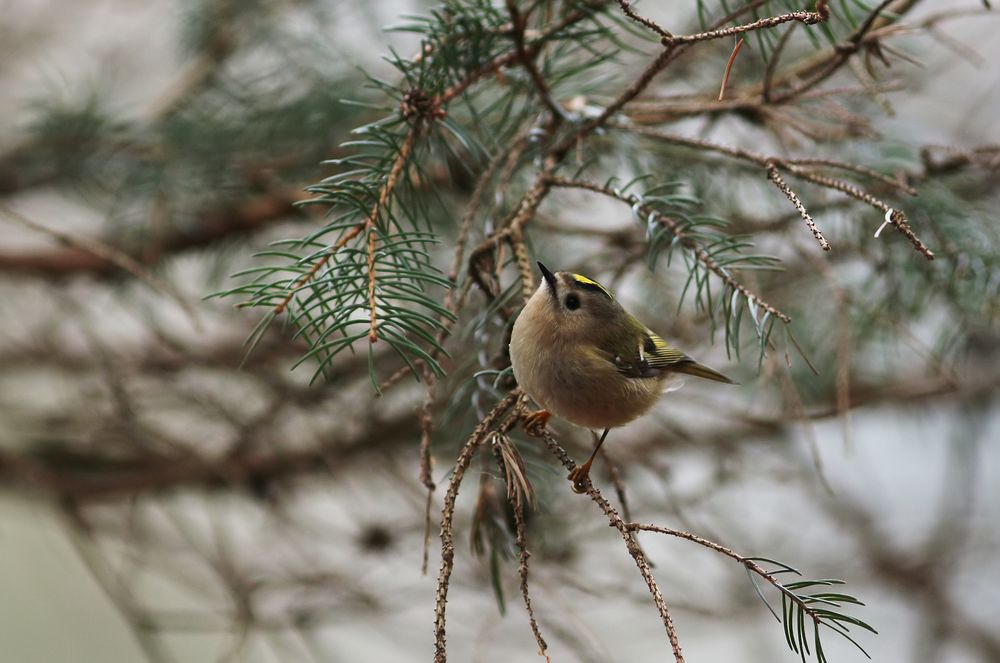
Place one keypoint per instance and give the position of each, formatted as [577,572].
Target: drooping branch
[795,168]
[775,176]
[700,253]
[638,556]
[210,226]
[462,462]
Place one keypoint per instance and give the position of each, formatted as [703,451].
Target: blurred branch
[212,226]
[110,256]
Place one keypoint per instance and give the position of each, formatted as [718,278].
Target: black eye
[572,302]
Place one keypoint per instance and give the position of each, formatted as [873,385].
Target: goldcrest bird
[583,357]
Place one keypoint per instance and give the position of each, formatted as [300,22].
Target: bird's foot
[580,476]
[534,423]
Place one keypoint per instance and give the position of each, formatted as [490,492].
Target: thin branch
[690,244]
[772,62]
[854,168]
[210,225]
[519,22]
[630,543]
[512,231]
[652,25]
[110,255]
[748,562]
[813,73]
[806,17]
[898,218]
[508,58]
[462,462]
[775,176]
[455,297]
[372,316]
[518,493]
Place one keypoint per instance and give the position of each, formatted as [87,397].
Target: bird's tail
[692,367]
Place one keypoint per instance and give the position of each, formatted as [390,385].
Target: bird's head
[576,304]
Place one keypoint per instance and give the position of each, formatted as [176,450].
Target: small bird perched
[583,357]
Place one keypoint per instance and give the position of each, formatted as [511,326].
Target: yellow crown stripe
[583,280]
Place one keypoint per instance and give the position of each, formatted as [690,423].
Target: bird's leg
[534,423]
[581,473]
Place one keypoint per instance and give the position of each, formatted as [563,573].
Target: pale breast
[575,384]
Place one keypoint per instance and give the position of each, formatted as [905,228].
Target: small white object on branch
[888,220]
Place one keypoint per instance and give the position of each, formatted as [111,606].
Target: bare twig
[211,225]
[815,72]
[509,58]
[652,25]
[775,176]
[518,493]
[747,562]
[528,61]
[630,543]
[806,17]
[462,462]
[108,254]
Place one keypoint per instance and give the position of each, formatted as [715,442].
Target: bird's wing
[650,358]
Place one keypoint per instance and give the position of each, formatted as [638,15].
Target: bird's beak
[550,278]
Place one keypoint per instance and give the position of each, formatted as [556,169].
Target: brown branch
[814,72]
[519,22]
[64,473]
[772,63]
[426,459]
[790,166]
[896,217]
[109,255]
[630,543]
[806,17]
[747,563]
[652,25]
[453,300]
[699,252]
[775,176]
[462,462]
[531,50]
[211,226]
[512,232]
[511,467]
[854,168]
[638,85]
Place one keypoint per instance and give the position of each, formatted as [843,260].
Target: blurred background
[161,499]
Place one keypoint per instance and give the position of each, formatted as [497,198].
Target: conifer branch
[369,225]
[794,167]
[820,607]
[638,556]
[109,255]
[775,176]
[462,462]
[822,13]
[690,244]
[649,23]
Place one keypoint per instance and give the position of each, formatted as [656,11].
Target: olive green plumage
[581,356]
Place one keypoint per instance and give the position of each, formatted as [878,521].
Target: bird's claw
[534,423]
[580,476]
